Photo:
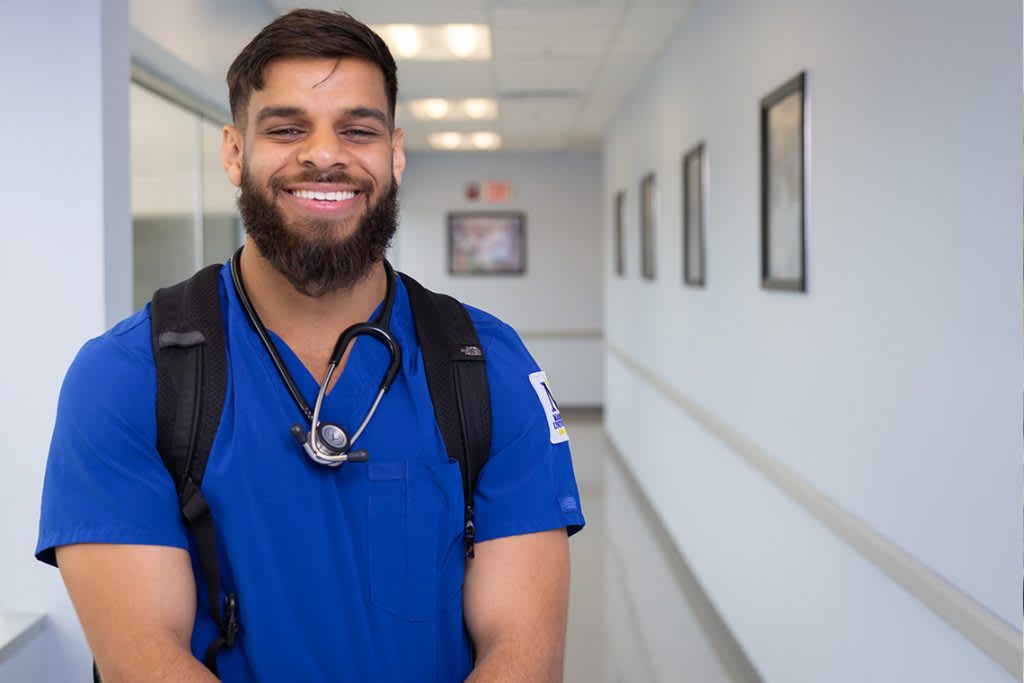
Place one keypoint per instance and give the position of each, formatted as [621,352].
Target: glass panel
[164,183]
[222,230]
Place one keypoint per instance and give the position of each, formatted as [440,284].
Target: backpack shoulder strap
[453,361]
[191,381]
[191,360]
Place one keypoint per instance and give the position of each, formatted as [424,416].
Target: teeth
[324,196]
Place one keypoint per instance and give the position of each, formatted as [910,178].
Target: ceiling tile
[552,14]
[399,11]
[555,43]
[538,75]
[658,19]
[445,79]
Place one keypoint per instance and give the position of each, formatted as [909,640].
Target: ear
[397,154]
[231,154]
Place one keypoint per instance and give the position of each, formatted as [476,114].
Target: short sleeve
[105,482]
[528,484]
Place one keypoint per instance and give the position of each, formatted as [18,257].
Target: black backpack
[191,367]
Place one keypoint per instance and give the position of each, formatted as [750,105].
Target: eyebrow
[354,112]
[367,113]
[277,112]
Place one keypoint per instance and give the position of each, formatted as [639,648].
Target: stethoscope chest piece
[332,436]
[329,446]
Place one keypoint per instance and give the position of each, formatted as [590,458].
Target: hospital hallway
[636,613]
[763,257]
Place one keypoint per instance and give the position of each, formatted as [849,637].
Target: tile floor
[630,620]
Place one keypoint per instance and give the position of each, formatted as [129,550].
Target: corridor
[635,612]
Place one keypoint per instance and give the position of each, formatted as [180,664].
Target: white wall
[893,386]
[556,305]
[65,263]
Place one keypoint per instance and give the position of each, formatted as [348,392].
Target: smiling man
[377,570]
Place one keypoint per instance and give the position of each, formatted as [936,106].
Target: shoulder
[112,365]
[502,344]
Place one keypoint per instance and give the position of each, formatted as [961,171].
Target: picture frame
[618,233]
[487,243]
[648,223]
[694,215]
[783,186]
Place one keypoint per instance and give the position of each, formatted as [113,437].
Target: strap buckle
[470,533]
[231,624]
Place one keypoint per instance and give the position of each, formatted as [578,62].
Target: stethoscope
[327,443]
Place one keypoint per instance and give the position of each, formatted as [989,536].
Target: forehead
[320,81]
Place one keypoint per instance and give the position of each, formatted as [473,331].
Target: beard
[309,253]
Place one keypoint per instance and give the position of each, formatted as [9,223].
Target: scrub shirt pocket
[410,535]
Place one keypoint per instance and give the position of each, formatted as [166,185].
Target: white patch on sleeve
[540,385]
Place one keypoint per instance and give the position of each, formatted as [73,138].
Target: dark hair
[307,33]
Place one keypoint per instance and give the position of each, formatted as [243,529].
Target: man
[353,573]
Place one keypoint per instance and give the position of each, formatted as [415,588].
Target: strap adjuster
[470,533]
[231,625]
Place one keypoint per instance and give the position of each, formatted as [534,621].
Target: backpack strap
[453,361]
[191,381]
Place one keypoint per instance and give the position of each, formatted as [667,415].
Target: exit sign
[497,191]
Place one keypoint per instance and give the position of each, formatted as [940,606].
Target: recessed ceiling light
[437,42]
[480,108]
[462,39]
[435,108]
[448,140]
[486,140]
[473,109]
[405,39]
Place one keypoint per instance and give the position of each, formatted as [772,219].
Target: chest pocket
[414,532]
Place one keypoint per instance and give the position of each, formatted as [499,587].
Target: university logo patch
[540,385]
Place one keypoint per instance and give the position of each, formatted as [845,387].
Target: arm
[137,605]
[515,599]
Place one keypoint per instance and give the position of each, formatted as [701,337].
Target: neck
[296,316]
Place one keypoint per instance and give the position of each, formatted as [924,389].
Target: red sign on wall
[497,191]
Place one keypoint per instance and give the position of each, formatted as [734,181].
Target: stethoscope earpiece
[325,442]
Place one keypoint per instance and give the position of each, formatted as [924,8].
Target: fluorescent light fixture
[480,108]
[485,140]
[462,39]
[434,108]
[405,39]
[437,42]
[473,109]
[451,140]
[448,140]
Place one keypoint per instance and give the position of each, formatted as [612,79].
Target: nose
[323,149]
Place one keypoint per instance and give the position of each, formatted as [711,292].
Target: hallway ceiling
[560,69]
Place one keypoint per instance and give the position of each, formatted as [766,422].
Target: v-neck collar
[353,391]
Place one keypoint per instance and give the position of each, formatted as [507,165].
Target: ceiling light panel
[437,42]
[436,109]
[476,141]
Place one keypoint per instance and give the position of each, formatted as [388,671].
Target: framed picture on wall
[694,211]
[487,243]
[647,226]
[783,187]
[618,230]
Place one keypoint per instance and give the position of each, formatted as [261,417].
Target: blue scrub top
[352,573]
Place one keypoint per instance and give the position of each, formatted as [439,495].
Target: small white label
[540,385]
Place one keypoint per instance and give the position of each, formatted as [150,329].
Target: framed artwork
[618,230]
[487,243]
[647,226]
[694,212]
[783,187]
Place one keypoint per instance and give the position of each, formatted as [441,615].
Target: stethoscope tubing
[314,446]
[261,331]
